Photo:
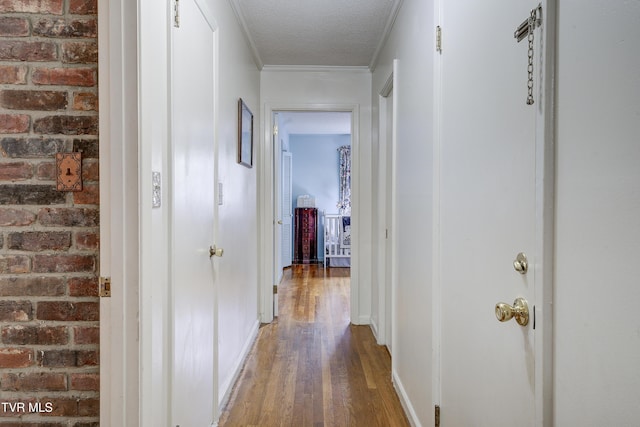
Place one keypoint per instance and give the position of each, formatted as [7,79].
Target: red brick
[86,335]
[14,264]
[65,28]
[53,7]
[19,50]
[11,217]
[32,286]
[35,241]
[64,263]
[15,357]
[83,286]
[68,311]
[40,381]
[15,311]
[18,171]
[18,413]
[89,408]
[90,170]
[80,52]
[87,240]
[22,148]
[13,74]
[68,358]
[64,76]
[85,101]
[83,7]
[69,217]
[30,195]
[90,195]
[14,123]
[62,407]
[14,27]
[66,125]
[89,147]
[46,171]
[85,382]
[42,100]
[35,335]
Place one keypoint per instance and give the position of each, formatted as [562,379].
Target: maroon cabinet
[305,247]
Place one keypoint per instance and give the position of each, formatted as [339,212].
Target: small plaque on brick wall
[69,171]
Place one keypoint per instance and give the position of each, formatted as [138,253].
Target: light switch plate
[69,171]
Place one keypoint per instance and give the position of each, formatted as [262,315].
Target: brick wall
[48,239]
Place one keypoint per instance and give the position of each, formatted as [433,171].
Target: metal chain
[532,24]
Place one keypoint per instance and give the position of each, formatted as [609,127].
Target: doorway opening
[312,189]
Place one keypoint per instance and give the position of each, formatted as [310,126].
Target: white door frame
[268,220]
[386,290]
[119,195]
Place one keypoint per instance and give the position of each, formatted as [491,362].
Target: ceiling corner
[395,9]
[237,10]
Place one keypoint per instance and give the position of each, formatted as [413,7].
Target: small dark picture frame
[245,135]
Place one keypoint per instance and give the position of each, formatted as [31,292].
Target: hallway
[311,367]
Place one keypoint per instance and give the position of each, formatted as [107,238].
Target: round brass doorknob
[519,310]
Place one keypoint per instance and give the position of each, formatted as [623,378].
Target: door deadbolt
[519,310]
[521,265]
[213,251]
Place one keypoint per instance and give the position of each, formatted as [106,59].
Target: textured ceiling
[316,32]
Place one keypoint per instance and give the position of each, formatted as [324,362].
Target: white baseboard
[405,402]
[374,329]
[225,389]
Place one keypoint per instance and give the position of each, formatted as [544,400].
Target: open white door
[287,209]
[194,388]
[494,204]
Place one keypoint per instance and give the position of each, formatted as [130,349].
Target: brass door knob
[519,310]
[213,251]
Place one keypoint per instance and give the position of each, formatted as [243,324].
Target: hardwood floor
[311,367]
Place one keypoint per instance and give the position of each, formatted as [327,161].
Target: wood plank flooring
[311,367]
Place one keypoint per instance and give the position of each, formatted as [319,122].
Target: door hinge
[275,289]
[275,130]
[386,233]
[438,39]
[176,13]
[437,411]
[105,287]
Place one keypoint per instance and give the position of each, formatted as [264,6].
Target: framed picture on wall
[245,135]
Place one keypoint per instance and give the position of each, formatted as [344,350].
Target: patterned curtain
[344,204]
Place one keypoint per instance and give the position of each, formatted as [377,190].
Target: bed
[337,240]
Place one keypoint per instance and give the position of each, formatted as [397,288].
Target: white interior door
[490,211]
[287,209]
[193,391]
[389,228]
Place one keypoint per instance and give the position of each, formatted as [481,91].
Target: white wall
[597,327]
[315,89]
[412,43]
[236,278]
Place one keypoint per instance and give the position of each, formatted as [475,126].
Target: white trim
[237,10]
[316,68]
[405,401]
[227,387]
[267,221]
[395,9]
[118,88]
[436,288]
[545,222]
